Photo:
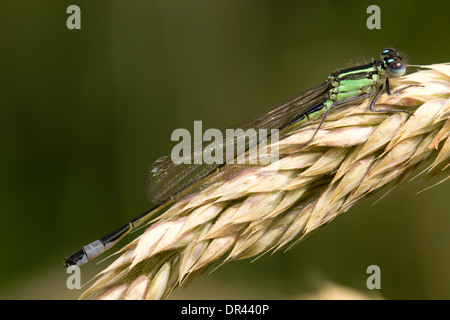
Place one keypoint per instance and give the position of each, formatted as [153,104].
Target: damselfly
[166,182]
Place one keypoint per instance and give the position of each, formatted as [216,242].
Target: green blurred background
[83,113]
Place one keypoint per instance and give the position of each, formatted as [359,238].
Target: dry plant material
[262,208]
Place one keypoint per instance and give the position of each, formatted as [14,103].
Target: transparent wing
[166,180]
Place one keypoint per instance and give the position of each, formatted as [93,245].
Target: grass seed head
[265,207]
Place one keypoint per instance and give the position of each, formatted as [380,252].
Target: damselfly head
[393,61]
[396,68]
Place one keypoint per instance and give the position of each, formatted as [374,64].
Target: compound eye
[387,53]
[396,68]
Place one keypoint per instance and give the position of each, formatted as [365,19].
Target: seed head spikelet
[263,208]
